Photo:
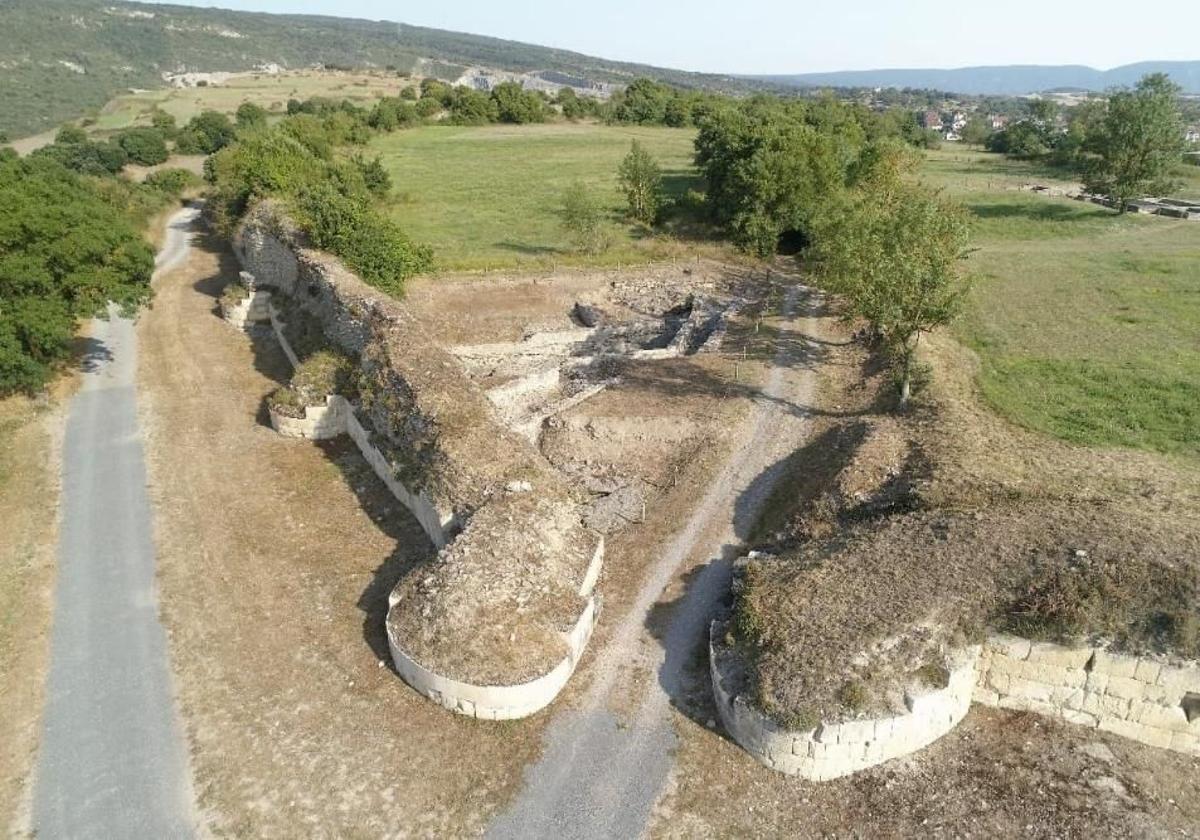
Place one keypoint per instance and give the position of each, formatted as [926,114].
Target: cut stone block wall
[320,422]
[1139,698]
[1144,699]
[462,476]
[253,309]
[832,750]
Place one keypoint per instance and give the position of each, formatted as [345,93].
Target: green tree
[143,145]
[250,116]
[583,219]
[641,182]
[376,178]
[514,104]
[164,122]
[894,250]
[1136,143]
[976,132]
[70,135]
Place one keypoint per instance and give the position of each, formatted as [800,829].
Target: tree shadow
[530,250]
[1048,211]
[90,354]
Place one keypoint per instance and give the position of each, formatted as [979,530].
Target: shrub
[143,145]
[583,219]
[641,182]
[70,134]
[172,181]
[371,245]
[514,104]
[320,375]
[853,696]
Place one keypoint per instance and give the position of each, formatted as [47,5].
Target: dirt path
[607,759]
[112,761]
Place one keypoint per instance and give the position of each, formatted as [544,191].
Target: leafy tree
[894,250]
[472,107]
[164,123]
[570,103]
[207,132]
[65,253]
[583,219]
[644,101]
[250,115]
[427,107]
[70,135]
[1136,143]
[641,182]
[143,145]
[409,94]
[771,171]
[1025,139]
[87,157]
[976,132]
[514,104]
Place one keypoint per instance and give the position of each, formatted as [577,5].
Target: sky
[801,36]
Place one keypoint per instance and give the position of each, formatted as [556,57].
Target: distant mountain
[58,58]
[1010,80]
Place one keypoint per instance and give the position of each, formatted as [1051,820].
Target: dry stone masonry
[494,627]
[1148,700]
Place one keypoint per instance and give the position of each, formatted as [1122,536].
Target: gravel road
[602,770]
[112,761]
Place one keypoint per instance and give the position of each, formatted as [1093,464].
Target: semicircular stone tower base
[494,626]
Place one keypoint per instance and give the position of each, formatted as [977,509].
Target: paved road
[112,763]
[600,775]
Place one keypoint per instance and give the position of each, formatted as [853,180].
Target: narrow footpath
[112,761]
[602,771]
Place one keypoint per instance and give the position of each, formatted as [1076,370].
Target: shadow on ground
[384,510]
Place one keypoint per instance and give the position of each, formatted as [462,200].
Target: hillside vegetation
[62,57]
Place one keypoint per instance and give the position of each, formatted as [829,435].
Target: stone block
[1103,705]
[1067,697]
[985,696]
[1136,731]
[1185,743]
[1038,692]
[1182,679]
[1115,664]
[1013,647]
[1148,671]
[1079,718]
[1048,653]
[1125,687]
[856,731]
[999,682]
[1161,717]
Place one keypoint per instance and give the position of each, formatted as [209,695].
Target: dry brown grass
[28,506]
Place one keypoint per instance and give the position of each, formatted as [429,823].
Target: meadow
[1087,323]
[271,91]
[489,197]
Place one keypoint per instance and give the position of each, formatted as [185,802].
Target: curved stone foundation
[320,422]
[498,702]
[1144,699]
[830,751]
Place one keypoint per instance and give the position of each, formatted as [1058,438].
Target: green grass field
[1088,324]
[488,197]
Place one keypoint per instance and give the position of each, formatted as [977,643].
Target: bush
[514,104]
[143,145]
[583,219]
[70,135]
[641,182]
[371,245]
[172,181]
[323,373]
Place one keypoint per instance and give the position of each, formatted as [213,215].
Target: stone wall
[832,750]
[320,422]
[496,626]
[1145,699]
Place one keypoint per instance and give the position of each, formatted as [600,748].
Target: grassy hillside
[62,57]
[489,197]
[1085,322]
